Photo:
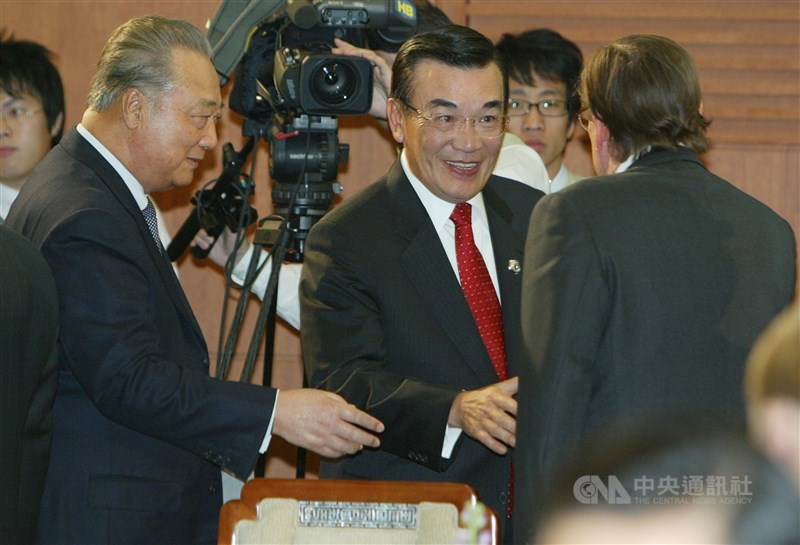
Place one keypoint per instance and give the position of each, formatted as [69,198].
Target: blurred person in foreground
[644,288]
[683,480]
[410,288]
[140,430]
[772,390]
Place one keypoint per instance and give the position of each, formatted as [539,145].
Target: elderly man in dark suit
[140,430]
[645,287]
[402,313]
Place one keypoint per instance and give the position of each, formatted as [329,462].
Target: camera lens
[334,82]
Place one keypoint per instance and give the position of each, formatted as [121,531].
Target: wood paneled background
[748,55]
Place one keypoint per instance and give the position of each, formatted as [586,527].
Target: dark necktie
[483,303]
[152,222]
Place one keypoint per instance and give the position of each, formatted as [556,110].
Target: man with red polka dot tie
[410,289]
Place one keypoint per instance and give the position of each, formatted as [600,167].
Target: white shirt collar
[438,209]
[625,164]
[439,212]
[559,181]
[7,196]
[131,182]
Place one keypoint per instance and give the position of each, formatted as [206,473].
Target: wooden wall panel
[747,54]
[748,58]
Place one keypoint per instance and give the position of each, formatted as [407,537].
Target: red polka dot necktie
[483,303]
[478,289]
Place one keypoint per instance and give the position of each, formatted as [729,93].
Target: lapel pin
[514,266]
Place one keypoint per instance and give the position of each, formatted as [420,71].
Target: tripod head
[304,161]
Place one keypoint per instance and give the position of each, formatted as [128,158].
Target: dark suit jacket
[642,294]
[28,365]
[140,430]
[386,325]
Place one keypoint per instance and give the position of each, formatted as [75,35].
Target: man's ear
[601,131]
[395,117]
[58,125]
[603,148]
[133,104]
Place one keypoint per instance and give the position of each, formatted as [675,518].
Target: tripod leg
[266,380]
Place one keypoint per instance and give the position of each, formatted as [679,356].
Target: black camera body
[290,89]
[323,84]
[288,68]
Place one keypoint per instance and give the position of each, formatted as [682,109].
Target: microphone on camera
[302,13]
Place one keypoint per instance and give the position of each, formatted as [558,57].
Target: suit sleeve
[565,304]
[345,352]
[136,356]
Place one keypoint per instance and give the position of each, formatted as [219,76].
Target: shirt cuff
[268,435]
[451,436]
[240,269]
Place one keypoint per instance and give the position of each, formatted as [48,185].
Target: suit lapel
[508,247]
[85,152]
[429,270]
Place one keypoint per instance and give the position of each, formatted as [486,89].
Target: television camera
[290,89]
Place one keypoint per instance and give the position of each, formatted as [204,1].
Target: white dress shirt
[439,211]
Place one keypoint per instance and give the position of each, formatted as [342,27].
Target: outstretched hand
[488,415]
[324,423]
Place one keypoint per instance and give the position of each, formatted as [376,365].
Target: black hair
[429,17]
[547,54]
[452,45]
[27,68]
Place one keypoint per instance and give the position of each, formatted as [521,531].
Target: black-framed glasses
[584,117]
[552,107]
[486,125]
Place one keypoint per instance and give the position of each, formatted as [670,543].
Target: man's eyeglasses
[548,108]
[584,117]
[486,126]
[17,115]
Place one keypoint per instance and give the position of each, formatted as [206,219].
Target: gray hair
[138,54]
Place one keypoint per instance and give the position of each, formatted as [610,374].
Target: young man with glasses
[543,69]
[31,113]
[387,292]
